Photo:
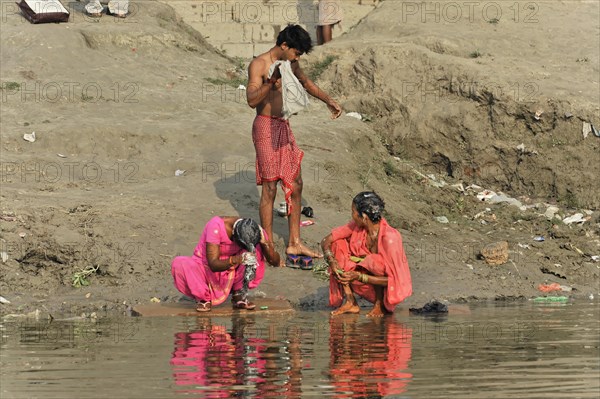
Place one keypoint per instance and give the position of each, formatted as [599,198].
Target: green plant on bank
[475,54]
[10,86]
[80,278]
[494,21]
[239,63]
[321,269]
[570,200]
[459,205]
[319,67]
[390,168]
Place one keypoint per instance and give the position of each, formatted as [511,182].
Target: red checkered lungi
[278,157]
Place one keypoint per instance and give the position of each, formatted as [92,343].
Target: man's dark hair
[369,203]
[295,37]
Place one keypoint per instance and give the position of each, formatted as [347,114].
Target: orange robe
[390,261]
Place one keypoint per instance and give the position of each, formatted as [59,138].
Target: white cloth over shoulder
[295,98]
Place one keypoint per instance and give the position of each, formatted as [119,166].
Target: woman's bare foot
[301,249]
[347,307]
[377,311]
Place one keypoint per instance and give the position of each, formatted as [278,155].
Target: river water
[513,350]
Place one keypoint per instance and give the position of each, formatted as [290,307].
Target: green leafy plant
[10,85]
[321,269]
[319,67]
[475,54]
[80,278]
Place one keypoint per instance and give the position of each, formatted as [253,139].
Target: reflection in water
[369,358]
[218,362]
[499,351]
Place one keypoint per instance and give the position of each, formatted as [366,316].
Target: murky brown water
[522,350]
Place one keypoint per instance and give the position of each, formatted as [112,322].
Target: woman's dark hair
[296,37]
[246,233]
[370,204]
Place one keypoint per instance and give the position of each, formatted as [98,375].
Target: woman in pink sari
[366,257]
[230,256]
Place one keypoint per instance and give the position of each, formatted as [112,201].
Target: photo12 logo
[471,11]
[257,12]
[67,172]
[77,10]
[452,92]
[53,92]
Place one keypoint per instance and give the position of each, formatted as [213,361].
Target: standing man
[330,14]
[278,158]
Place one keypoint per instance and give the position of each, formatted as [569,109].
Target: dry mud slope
[450,99]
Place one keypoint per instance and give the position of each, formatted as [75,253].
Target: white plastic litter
[29,137]
[473,187]
[4,300]
[179,172]
[550,212]
[441,219]
[241,87]
[493,198]
[4,256]
[459,187]
[355,115]
[486,195]
[576,218]
[587,129]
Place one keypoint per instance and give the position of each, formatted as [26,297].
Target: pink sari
[390,262]
[192,275]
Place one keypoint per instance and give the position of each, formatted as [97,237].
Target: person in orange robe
[366,257]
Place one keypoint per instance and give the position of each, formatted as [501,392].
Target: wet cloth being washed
[278,157]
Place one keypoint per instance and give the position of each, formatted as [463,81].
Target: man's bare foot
[346,308]
[378,311]
[301,249]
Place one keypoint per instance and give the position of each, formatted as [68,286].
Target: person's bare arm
[315,91]
[213,253]
[349,276]
[268,249]
[257,90]
[334,267]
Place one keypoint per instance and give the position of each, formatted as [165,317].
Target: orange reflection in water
[369,357]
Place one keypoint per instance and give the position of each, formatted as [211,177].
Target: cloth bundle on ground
[295,98]
[42,11]
[430,307]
